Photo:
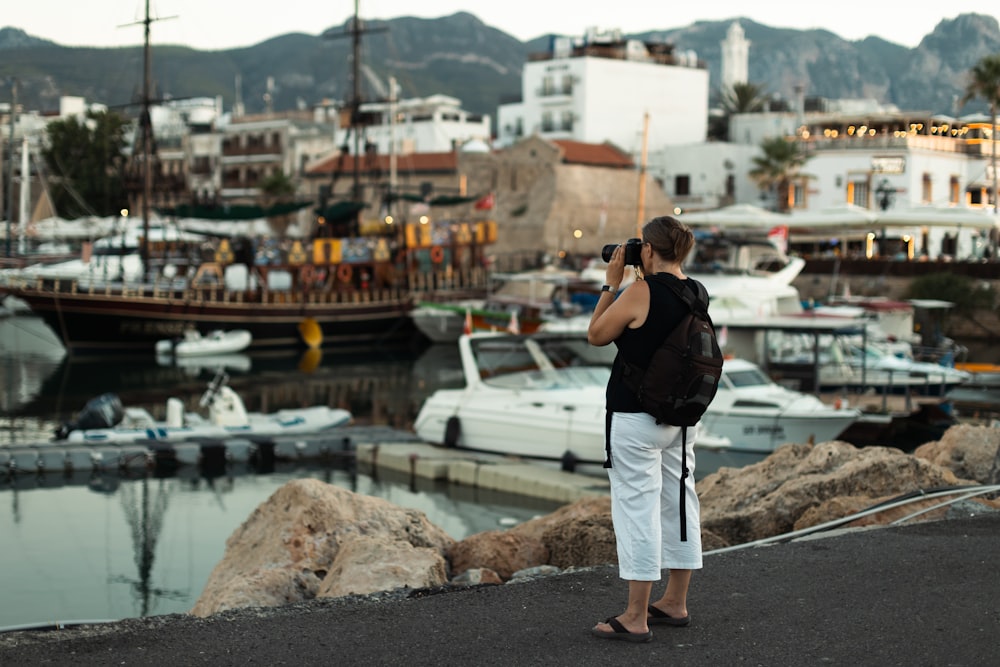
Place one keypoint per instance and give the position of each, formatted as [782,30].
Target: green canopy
[232,211]
[340,211]
[443,200]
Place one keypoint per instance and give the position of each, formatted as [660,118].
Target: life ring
[345,272]
[307,274]
[437,254]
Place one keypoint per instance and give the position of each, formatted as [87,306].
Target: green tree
[778,168]
[984,82]
[741,98]
[84,158]
[277,188]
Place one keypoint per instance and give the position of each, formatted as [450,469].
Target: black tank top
[666,310]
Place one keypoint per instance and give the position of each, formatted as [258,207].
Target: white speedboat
[535,397]
[758,415]
[194,344]
[104,420]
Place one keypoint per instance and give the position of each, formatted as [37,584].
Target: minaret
[238,109]
[735,57]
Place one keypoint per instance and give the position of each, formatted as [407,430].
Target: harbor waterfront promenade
[917,594]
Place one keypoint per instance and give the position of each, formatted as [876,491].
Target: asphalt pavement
[919,594]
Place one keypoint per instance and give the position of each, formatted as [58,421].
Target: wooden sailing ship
[351,291]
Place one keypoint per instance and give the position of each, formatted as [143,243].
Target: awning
[232,211]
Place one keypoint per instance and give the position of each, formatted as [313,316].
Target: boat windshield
[542,362]
[563,378]
[750,377]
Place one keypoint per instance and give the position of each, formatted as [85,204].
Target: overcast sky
[224,24]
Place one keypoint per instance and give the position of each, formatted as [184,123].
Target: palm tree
[778,168]
[743,98]
[984,82]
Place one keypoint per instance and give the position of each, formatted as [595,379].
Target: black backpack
[683,375]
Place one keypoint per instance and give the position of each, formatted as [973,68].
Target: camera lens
[607,251]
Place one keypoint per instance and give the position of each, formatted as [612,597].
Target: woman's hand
[615,272]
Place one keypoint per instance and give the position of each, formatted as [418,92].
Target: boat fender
[437,254]
[345,272]
[568,461]
[452,431]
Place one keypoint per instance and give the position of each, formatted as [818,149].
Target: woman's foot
[612,628]
[659,617]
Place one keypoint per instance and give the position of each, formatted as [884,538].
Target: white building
[602,88]
[434,124]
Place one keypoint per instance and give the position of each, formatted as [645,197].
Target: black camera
[633,252]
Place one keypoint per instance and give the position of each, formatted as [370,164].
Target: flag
[467,328]
[779,237]
[486,203]
[514,327]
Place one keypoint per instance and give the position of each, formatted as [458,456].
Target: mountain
[459,55]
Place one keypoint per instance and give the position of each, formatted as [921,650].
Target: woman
[644,459]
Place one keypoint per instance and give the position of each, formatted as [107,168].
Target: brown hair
[669,238]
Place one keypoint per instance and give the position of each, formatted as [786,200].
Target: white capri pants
[645,497]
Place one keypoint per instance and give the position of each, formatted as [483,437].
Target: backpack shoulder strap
[699,300]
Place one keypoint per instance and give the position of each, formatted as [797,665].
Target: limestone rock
[585,507]
[477,576]
[582,541]
[368,564]
[286,548]
[970,451]
[772,497]
[504,552]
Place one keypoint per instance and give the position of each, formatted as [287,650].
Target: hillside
[459,55]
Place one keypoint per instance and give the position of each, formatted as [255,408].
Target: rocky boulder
[313,539]
[576,534]
[970,451]
[799,486]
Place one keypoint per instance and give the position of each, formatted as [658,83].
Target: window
[797,191]
[858,193]
[547,124]
[682,185]
[926,194]
[954,190]
[566,121]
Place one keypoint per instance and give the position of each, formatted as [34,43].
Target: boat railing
[182,291]
[443,284]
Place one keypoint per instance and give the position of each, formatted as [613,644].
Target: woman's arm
[612,315]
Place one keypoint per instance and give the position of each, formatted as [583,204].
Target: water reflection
[85,545]
[104,546]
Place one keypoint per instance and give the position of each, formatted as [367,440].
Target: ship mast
[146,135]
[355,32]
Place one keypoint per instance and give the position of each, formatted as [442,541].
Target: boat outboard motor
[104,411]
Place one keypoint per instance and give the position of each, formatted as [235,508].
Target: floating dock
[375,450]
